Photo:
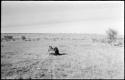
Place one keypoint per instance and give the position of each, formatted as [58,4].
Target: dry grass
[83,59]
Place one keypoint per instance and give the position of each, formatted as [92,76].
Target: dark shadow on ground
[58,54]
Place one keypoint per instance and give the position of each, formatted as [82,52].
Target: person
[56,51]
[51,50]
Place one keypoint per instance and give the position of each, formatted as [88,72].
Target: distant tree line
[23,37]
[8,38]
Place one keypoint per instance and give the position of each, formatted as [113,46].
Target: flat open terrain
[82,59]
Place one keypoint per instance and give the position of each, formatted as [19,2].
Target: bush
[8,38]
[23,38]
[111,35]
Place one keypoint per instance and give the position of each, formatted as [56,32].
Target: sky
[62,16]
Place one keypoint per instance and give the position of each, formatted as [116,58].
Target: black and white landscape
[62,40]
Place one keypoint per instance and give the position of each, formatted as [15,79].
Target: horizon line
[59,33]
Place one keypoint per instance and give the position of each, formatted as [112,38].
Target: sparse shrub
[23,37]
[118,43]
[8,38]
[111,35]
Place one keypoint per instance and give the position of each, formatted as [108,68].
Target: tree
[111,35]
